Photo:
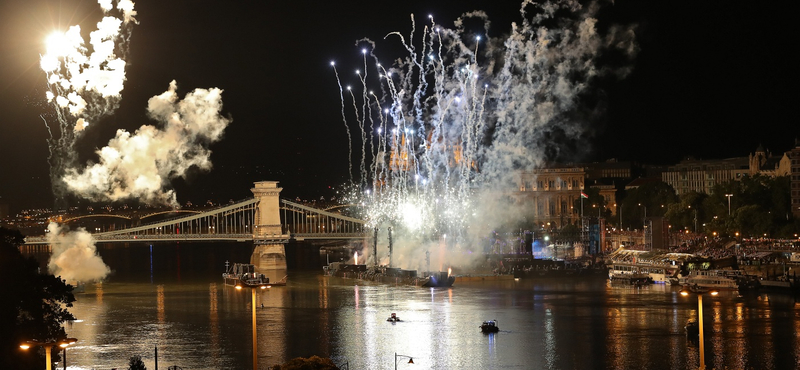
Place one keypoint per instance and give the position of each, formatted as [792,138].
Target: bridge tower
[268,238]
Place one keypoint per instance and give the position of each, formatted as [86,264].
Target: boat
[660,266]
[393,318]
[715,279]
[490,326]
[628,274]
[439,279]
[535,268]
[245,275]
[780,284]
[389,275]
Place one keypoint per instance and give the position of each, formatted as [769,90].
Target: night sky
[712,79]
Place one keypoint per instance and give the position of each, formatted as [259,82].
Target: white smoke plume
[74,255]
[463,114]
[141,164]
[85,81]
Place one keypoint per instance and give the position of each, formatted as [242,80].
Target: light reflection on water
[548,325]
[198,323]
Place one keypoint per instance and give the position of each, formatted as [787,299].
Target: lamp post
[695,218]
[410,359]
[685,292]
[729,203]
[47,347]
[253,308]
[645,213]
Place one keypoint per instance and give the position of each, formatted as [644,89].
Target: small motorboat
[393,318]
[490,326]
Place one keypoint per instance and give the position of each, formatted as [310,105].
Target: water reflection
[198,323]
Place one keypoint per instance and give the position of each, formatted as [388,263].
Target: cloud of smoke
[84,82]
[142,164]
[464,114]
[74,255]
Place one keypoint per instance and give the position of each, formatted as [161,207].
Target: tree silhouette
[34,307]
[136,363]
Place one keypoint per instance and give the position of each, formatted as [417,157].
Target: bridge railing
[237,221]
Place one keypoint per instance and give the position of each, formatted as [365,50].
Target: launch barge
[389,275]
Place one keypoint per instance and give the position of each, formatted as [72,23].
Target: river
[171,297]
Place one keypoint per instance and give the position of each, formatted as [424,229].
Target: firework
[85,82]
[447,129]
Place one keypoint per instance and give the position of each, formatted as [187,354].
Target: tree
[311,363]
[758,205]
[136,363]
[594,198]
[653,198]
[35,307]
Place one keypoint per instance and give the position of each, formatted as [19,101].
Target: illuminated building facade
[794,156]
[550,193]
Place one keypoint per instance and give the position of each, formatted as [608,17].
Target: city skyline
[710,89]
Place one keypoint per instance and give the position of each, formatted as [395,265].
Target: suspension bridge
[267,220]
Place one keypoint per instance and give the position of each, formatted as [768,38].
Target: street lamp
[49,345]
[729,203]
[410,359]
[644,220]
[695,218]
[700,292]
[253,308]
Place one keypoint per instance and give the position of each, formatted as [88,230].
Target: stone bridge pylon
[268,237]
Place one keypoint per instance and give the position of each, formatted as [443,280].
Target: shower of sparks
[455,121]
[85,82]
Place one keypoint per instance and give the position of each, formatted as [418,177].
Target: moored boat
[628,274]
[389,275]
[245,275]
[783,284]
[715,279]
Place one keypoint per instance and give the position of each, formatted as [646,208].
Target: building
[794,156]
[701,175]
[762,162]
[550,193]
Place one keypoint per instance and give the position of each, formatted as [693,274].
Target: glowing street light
[729,203]
[49,345]
[410,359]
[699,292]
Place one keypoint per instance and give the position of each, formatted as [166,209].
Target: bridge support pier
[269,252]
[269,257]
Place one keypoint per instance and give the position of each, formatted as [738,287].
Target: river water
[172,297]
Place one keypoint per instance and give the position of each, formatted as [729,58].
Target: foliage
[311,363]
[754,206]
[136,363]
[35,307]
[652,199]
[591,203]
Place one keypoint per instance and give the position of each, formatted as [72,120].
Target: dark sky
[712,79]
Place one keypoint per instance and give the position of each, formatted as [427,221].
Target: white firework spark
[85,82]
[462,114]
